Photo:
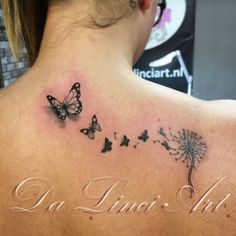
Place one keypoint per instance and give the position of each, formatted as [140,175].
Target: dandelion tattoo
[190,148]
[71,104]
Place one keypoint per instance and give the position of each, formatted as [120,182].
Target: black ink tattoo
[71,104]
[115,135]
[125,141]
[135,146]
[167,146]
[107,146]
[144,136]
[190,148]
[170,132]
[162,133]
[156,141]
[133,3]
[93,127]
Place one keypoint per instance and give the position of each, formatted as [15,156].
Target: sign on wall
[168,56]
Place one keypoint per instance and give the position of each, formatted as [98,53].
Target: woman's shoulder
[220,117]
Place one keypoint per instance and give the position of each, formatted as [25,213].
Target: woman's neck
[67,46]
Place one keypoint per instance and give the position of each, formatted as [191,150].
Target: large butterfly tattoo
[94,126]
[71,104]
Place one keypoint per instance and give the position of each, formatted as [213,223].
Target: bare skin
[35,143]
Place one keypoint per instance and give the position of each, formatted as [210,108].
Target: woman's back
[89,148]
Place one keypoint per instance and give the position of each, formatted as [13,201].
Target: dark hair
[25,18]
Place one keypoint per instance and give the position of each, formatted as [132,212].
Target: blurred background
[214,60]
[215,50]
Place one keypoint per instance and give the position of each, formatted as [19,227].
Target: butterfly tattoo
[94,126]
[71,104]
[107,146]
[125,141]
[144,136]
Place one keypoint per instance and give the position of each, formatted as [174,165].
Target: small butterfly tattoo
[144,136]
[125,141]
[71,104]
[94,126]
[107,146]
